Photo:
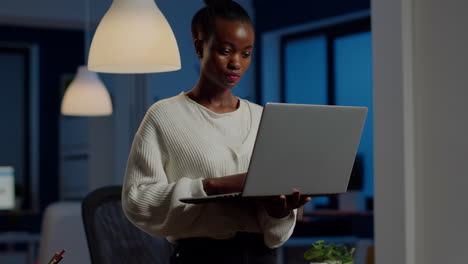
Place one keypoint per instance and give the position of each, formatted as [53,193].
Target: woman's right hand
[226,184]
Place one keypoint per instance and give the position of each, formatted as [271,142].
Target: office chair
[112,239]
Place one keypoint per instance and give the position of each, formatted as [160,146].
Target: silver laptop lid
[307,147]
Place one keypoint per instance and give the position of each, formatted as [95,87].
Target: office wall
[391,199]
[441,94]
[420,131]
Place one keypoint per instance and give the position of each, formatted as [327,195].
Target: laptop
[310,148]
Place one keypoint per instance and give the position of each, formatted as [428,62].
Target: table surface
[19,237]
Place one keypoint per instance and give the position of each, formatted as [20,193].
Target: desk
[32,241]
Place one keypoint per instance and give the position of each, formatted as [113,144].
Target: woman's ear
[198,43]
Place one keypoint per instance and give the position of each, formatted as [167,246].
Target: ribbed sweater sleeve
[149,200]
[276,231]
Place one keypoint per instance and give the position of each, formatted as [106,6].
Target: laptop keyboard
[225,195]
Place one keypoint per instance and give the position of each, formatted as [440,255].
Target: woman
[187,144]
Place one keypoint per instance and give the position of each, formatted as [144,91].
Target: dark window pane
[353,86]
[306,71]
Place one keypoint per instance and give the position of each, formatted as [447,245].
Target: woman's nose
[234,63]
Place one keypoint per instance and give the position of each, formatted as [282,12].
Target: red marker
[58,260]
[60,255]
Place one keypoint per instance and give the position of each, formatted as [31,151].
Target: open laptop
[310,148]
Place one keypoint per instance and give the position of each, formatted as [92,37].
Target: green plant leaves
[321,252]
[312,254]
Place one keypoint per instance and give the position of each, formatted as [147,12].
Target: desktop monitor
[7,188]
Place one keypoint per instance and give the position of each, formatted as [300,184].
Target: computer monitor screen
[7,188]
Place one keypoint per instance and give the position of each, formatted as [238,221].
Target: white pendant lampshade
[134,37]
[86,96]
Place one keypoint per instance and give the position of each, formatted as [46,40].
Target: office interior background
[404,59]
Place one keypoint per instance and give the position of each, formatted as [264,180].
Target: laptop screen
[7,188]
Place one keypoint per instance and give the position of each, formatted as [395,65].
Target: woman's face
[227,53]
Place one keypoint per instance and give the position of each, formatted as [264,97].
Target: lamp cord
[86,32]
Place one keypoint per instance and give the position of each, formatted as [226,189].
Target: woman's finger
[305,200]
[284,202]
[295,199]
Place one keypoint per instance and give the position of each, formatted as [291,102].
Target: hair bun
[216,2]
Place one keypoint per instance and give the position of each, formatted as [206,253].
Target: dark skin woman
[199,143]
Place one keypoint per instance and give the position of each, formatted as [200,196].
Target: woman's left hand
[281,206]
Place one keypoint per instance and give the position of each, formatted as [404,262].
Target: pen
[60,255]
[53,258]
[59,260]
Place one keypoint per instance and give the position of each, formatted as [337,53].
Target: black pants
[242,249]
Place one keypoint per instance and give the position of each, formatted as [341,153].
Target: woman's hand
[281,206]
[226,184]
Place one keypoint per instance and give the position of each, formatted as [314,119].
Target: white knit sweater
[178,144]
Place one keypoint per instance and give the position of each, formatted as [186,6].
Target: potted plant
[323,253]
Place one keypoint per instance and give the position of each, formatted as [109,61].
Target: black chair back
[112,238]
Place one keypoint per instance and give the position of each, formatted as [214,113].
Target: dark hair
[203,21]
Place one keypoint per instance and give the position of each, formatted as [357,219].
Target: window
[353,86]
[333,65]
[305,69]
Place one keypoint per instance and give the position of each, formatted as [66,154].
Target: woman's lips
[233,77]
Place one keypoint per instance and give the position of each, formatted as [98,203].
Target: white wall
[389,172]
[421,147]
[441,94]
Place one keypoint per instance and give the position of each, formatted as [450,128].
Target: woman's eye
[225,52]
[246,54]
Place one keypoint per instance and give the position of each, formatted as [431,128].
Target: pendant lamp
[86,95]
[134,37]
